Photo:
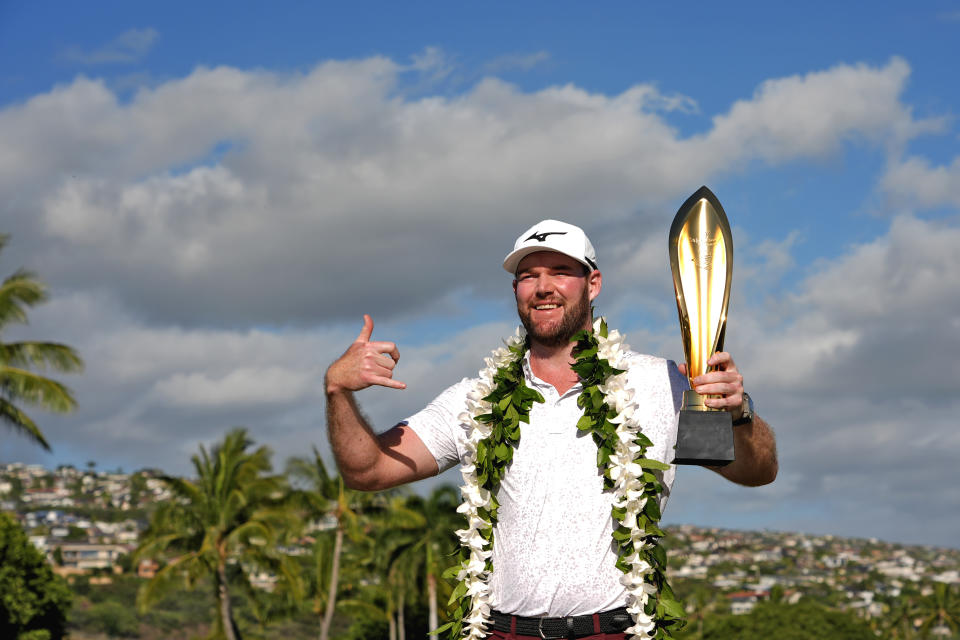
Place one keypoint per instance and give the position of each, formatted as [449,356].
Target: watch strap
[746,411]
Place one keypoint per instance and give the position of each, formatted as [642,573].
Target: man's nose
[544,285]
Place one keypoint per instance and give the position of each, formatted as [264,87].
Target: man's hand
[723,388]
[756,448]
[364,364]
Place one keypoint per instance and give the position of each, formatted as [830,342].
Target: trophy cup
[701,259]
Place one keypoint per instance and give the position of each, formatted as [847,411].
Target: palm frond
[57,356]
[357,608]
[163,581]
[233,512]
[313,473]
[17,293]
[32,388]
[21,422]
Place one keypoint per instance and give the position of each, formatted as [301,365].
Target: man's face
[553,296]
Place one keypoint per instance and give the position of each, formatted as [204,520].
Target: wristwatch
[746,410]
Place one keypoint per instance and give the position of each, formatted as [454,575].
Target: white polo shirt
[553,551]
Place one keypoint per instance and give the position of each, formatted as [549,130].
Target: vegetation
[426,542]
[326,494]
[345,565]
[939,612]
[20,384]
[33,601]
[802,621]
[222,527]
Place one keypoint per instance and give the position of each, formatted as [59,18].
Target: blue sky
[216,191]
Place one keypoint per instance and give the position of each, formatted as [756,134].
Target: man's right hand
[364,364]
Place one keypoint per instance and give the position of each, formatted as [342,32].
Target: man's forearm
[355,447]
[756,455]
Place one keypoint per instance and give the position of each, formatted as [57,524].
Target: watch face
[746,410]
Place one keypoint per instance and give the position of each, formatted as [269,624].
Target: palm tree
[701,603]
[232,517]
[18,383]
[397,531]
[902,616]
[430,545]
[327,496]
[939,611]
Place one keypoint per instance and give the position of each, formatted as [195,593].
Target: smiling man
[554,568]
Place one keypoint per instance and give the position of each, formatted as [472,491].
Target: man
[554,566]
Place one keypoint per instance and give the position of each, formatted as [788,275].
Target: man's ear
[595,282]
[514,286]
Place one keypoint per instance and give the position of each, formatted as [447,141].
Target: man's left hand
[723,388]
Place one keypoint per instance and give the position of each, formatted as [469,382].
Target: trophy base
[704,438]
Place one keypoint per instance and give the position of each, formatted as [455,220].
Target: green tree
[33,600]
[701,603]
[20,384]
[230,520]
[75,533]
[800,621]
[138,487]
[109,617]
[939,611]
[900,621]
[325,496]
[16,488]
[396,560]
[434,542]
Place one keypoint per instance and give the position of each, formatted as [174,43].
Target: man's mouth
[546,307]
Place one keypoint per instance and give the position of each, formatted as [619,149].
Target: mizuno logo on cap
[542,237]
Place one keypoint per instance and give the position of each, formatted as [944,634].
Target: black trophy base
[704,438]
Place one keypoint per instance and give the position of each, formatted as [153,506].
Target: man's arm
[754,444]
[756,455]
[367,461]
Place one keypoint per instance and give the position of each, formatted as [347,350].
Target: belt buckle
[546,637]
[540,630]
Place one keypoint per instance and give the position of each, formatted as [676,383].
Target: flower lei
[497,404]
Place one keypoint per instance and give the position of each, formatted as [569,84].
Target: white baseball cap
[552,235]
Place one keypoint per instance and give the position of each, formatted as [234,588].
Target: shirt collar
[543,384]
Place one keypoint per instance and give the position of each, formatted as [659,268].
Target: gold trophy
[701,259]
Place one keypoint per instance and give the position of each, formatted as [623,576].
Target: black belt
[612,621]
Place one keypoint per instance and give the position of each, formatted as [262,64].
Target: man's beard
[574,319]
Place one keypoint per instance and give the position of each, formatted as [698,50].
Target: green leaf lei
[499,403]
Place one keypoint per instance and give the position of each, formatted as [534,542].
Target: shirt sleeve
[659,386]
[438,424]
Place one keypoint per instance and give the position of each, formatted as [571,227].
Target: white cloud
[875,319]
[241,387]
[174,223]
[857,372]
[812,115]
[516,61]
[433,63]
[335,188]
[129,46]
[914,183]
[155,393]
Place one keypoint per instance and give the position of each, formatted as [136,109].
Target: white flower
[624,416]
[475,495]
[471,537]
